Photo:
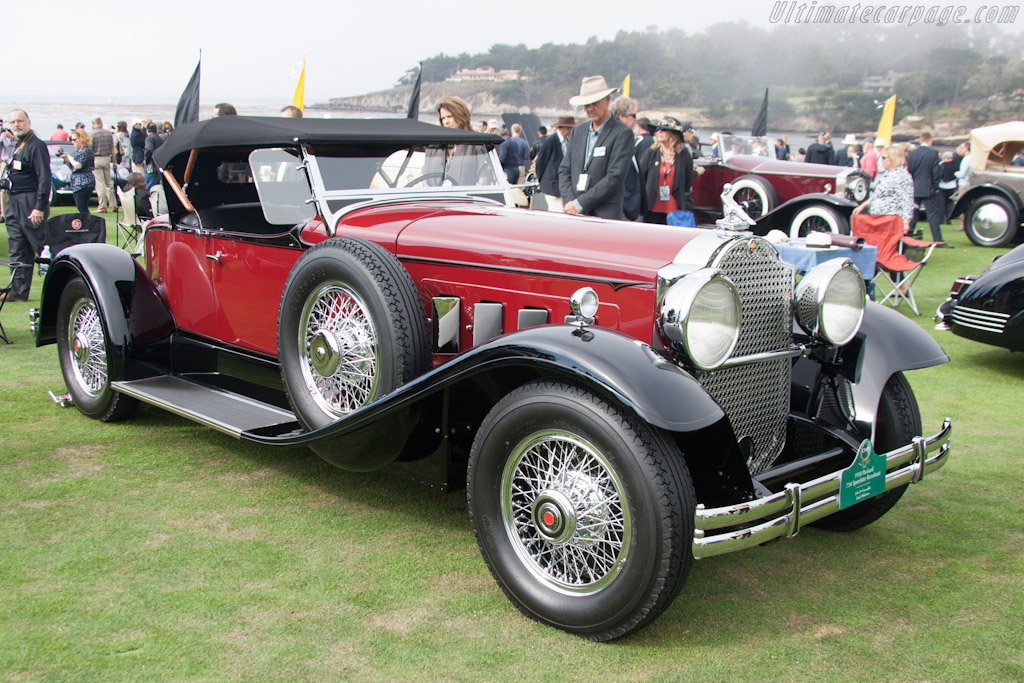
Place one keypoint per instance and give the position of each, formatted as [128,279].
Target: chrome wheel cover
[338,342]
[990,222]
[565,512]
[87,350]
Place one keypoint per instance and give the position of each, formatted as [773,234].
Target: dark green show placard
[863,479]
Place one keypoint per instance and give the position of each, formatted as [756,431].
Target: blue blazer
[548,159]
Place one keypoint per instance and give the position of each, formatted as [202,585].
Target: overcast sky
[105,52]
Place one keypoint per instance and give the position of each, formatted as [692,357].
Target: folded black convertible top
[263,131]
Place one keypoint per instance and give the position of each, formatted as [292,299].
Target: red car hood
[765,165]
[496,237]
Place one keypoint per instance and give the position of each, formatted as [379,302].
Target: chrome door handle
[214,257]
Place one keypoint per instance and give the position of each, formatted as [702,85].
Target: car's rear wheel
[898,422]
[84,351]
[754,194]
[583,513]
[991,221]
[818,218]
[351,329]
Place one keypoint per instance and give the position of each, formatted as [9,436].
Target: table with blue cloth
[803,258]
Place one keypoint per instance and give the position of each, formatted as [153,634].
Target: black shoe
[943,245]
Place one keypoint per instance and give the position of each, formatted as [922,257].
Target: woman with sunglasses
[81,162]
[893,193]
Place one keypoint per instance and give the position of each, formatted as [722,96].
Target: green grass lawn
[159,549]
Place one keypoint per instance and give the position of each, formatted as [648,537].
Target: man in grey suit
[592,174]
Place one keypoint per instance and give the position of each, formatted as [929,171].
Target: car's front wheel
[818,218]
[991,221]
[898,422]
[84,352]
[351,329]
[583,513]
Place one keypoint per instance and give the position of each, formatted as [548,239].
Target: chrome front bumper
[783,514]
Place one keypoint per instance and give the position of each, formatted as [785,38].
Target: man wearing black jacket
[923,164]
[28,179]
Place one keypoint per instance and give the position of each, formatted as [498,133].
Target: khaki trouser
[104,184]
[554,203]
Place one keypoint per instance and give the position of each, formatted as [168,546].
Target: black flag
[188,103]
[414,99]
[761,122]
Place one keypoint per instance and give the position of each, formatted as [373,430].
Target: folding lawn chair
[129,230]
[892,267]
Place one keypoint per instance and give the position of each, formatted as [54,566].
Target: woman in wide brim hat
[592,89]
[667,170]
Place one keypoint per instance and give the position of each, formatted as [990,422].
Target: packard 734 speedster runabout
[618,399]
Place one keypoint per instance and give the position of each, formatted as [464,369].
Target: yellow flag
[300,88]
[885,123]
[625,87]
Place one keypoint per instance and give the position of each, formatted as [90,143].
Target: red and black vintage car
[617,399]
[794,197]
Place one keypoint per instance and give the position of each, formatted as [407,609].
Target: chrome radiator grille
[755,396]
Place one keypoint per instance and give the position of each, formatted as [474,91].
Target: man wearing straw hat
[592,174]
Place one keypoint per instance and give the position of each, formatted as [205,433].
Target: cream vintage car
[991,202]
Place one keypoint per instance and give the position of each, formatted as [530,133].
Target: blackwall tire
[351,329]
[898,422]
[991,221]
[818,218]
[583,513]
[84,351]
[754,194]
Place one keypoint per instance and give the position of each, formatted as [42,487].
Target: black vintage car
[989,308]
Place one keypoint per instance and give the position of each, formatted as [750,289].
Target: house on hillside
[484,74]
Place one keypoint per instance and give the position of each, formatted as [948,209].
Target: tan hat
[592,89]
[880,142]
[850,139]
[565,122]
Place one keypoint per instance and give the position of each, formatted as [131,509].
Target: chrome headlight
[700,317]
[857,188]
[830,301]
[63,174]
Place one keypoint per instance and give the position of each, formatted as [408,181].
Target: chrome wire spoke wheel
[564,511]
[338,343]
[86,347]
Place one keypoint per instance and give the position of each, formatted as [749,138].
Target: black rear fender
[135,318]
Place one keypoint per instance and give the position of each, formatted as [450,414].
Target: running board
[222,410]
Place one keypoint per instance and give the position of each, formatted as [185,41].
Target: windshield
[281,182]
[361,168]
[735,145]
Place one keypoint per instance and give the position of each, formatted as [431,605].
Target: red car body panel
[790,179]
[477,252]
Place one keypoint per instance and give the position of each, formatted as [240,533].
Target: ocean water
[46,115]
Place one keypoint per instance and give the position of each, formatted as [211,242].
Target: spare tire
[755,194]
[351,329]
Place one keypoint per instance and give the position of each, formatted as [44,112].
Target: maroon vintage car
[796,198]
[617,399]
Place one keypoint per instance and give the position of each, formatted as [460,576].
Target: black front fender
[974,192]
[887,343]
[134,315]
[612,364]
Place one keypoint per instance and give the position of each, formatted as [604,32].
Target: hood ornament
[734,218]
